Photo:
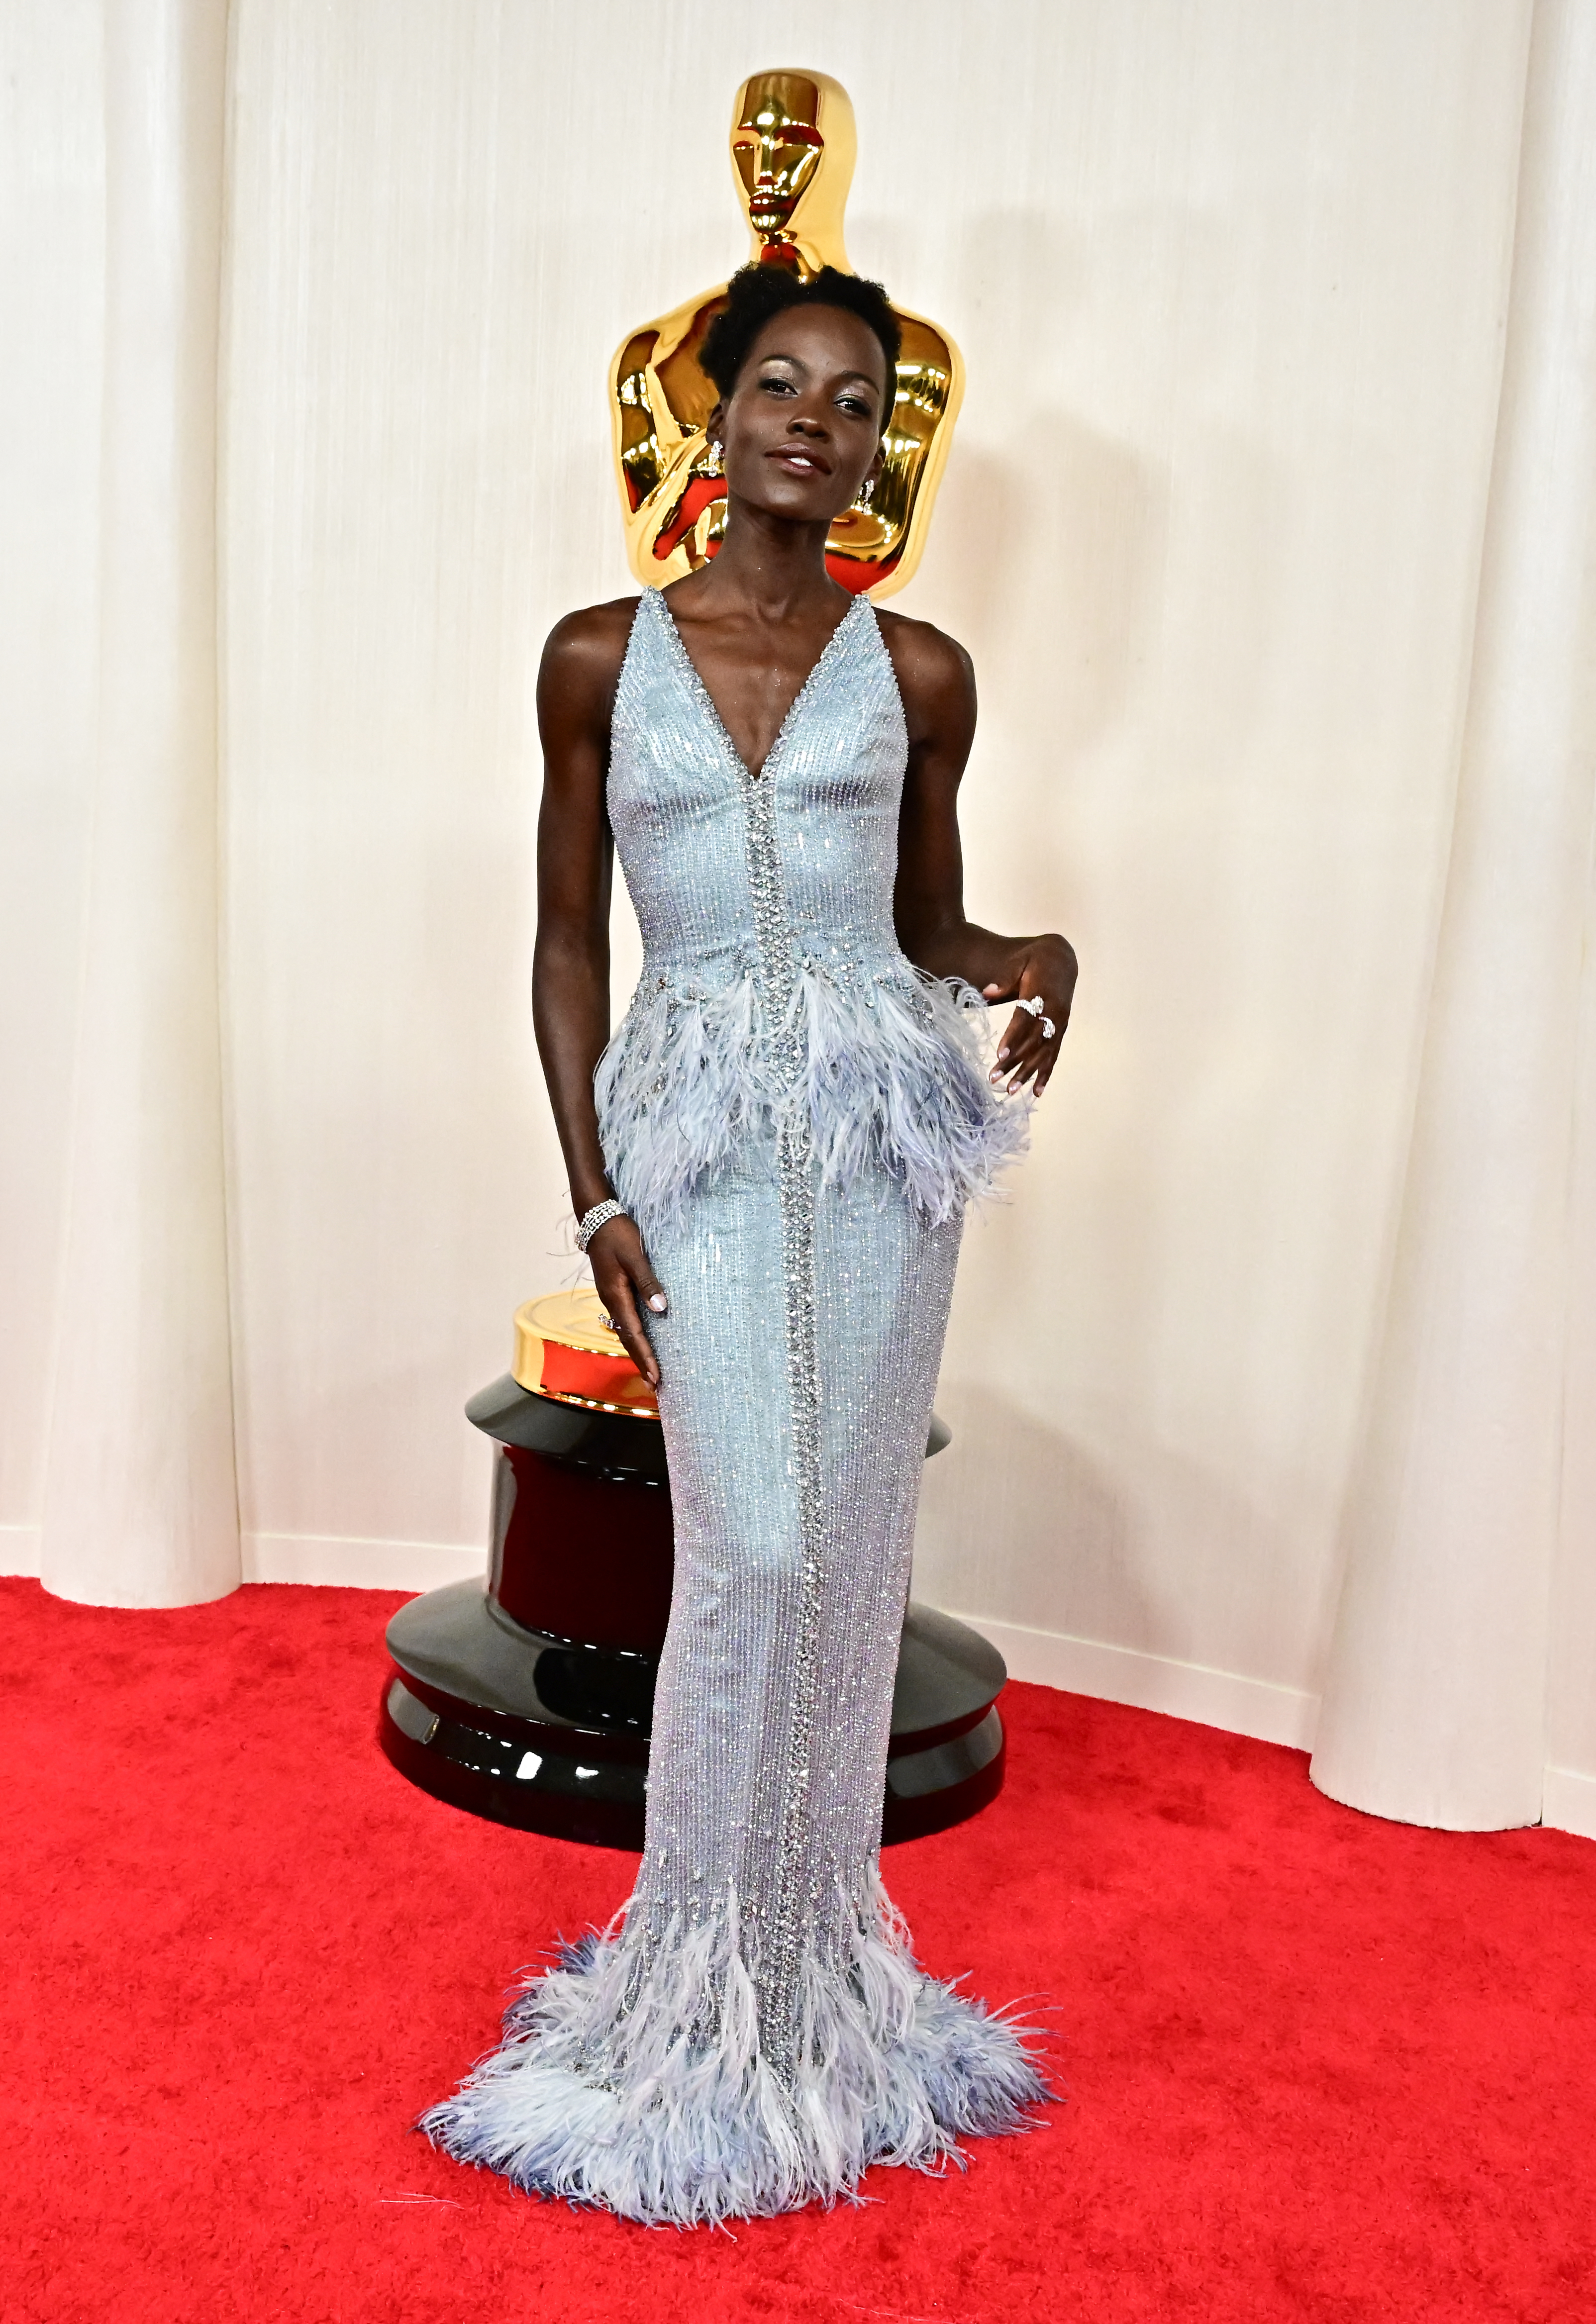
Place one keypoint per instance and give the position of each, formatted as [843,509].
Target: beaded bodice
[773,980]
[680,802]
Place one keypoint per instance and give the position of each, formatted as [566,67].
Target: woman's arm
[938,683]
[571,962]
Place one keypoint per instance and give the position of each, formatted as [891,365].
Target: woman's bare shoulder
[593,634]
[936,675]
[583,654]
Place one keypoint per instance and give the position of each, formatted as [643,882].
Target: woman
[769,1163]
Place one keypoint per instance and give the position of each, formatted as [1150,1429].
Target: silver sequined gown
[796,1118]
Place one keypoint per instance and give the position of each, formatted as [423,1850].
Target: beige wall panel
[1571,1741]
[53,297]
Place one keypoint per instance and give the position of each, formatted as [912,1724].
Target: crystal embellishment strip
[778,972]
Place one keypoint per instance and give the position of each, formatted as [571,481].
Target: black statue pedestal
[530,1702]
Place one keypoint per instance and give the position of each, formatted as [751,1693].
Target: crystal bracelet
[599,1215]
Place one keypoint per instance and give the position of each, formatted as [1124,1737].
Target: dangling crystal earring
[865,489]
[715,465]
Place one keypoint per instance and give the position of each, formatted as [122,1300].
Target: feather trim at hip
[893,1075]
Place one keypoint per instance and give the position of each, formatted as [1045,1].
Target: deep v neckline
[690,671]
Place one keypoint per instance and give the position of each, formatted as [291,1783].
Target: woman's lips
[803,464]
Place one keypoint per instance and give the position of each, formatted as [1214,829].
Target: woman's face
[802,427]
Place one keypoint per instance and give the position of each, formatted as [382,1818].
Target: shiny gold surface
[776,147]
[577,1319]
[792,157]
[566,1348]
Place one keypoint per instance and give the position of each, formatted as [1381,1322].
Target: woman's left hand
[1041,969]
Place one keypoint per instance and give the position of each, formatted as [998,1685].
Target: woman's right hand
[627,1284]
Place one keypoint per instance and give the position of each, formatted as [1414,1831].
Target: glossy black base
[530,1698]
[530,1731]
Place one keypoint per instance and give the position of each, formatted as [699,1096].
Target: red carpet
[1317,2066]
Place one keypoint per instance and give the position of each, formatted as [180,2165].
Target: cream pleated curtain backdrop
[139,1499]
[1268,525]
[1436,1707]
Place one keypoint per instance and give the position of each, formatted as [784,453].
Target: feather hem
[631,2077]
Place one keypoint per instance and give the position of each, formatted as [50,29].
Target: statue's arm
[571,962]
[936,681]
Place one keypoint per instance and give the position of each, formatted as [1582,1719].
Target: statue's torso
[674,501]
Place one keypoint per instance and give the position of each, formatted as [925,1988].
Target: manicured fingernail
[659,1303]
[1003,1056]
[995,1075]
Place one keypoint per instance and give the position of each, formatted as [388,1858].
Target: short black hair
[756,292]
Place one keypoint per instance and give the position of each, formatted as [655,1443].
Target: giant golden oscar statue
[793,152]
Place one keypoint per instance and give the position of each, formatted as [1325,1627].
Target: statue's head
[790,130]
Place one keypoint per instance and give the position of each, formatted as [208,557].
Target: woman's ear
[714,427]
